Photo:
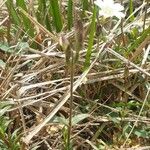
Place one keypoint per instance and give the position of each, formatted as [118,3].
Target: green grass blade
[21,3]
[85,6]
[12,12]
[43,15]
[91,40]
[47,23]
[35,22]
[26,22]
[70,14]
[56,15]
[41,11]
[131,10]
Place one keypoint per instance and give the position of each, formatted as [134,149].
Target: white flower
[109,9]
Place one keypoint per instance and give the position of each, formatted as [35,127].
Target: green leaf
[3,111]
[91,40]
[131,10]
[113,117]
[12,12]
[76,119]
[22,4]
[85,4]
[26,22]
[141,133]
[139,40]
[4,122]
[4,104]
[61,120]
[70,14]
[2,64]
[2,132]
[43,15]
[56,15]
[4,47]
[23,45]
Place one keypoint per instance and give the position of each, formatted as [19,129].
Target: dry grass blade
[127,91]
[139,50]
[147,51]
[61,102]
[4,20]
[127,61]
[2,3]
[108,100]
[139,148]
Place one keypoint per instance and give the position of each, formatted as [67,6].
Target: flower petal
[109,9]
[108,2]
[105,13]
[119,15]
[99,3]
[118,7]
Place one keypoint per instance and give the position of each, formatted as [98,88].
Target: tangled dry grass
[36,84]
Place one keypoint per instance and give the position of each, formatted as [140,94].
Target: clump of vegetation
[9,138]
[74,74]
